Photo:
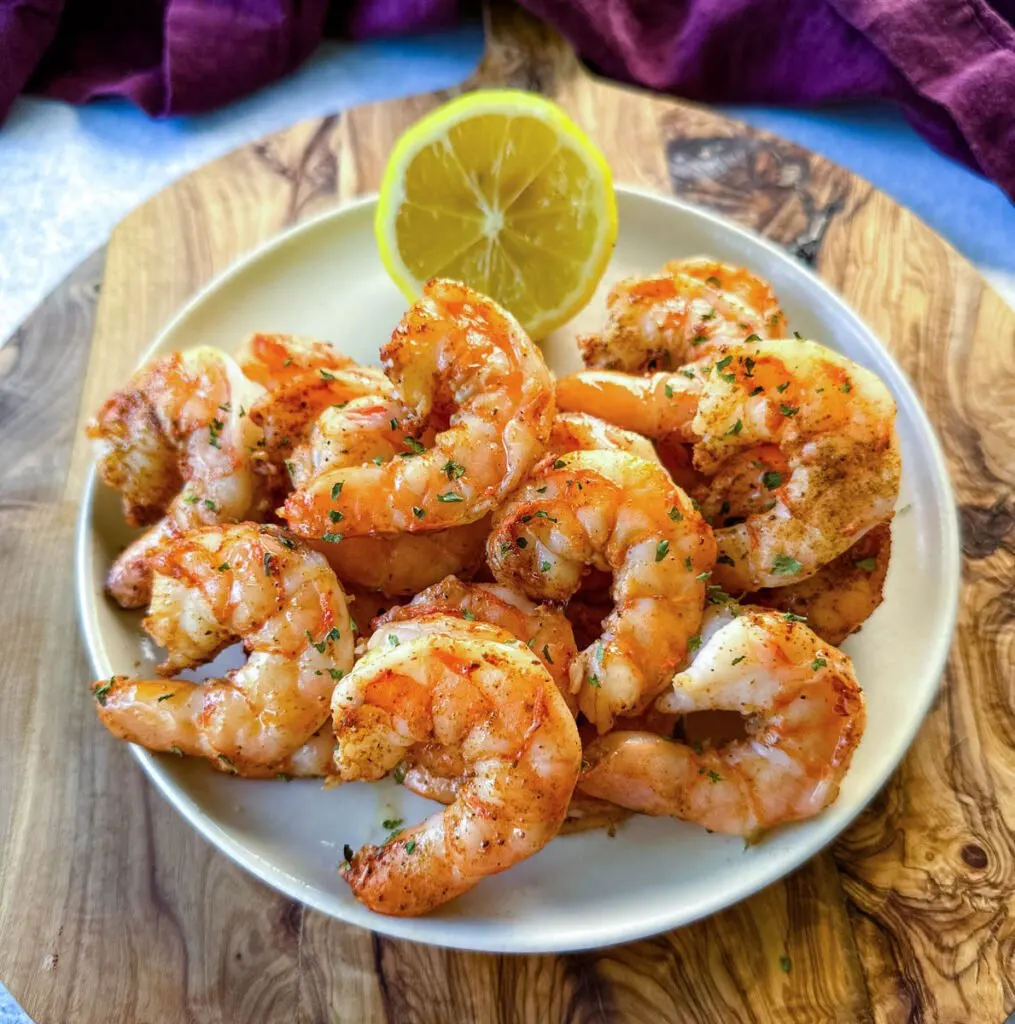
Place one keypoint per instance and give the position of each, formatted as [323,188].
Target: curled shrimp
[357,431]
[833,424]
[212,587]
[681,314]
[842,595]
[542,627]
[275,359]
[463,365]
[611,511]
[177,442]
[580,432]
[804,716]
[482,696]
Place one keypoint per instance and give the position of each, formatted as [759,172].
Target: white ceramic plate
[324,279]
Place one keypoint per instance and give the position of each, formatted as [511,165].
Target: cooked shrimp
[287,413]
[838,599]
[580,432]
[457,359]
[658,406]
[177,443]
[611,511]
[355,432]
[681,314]
[212,587]
[274,359]
[833,424]
[804,718]
[543,628]
[373,428]
[484,697]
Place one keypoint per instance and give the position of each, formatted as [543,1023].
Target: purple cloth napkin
[950,64]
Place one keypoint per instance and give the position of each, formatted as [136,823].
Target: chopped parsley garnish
[336,490]
[792,617]
[752,337]
[283,776]
[749,367]
[415,447]
[772,479]
[449,497]
[394,424]
[542,514]
[782,387]
[163,697]
[399,773]
[453,470]
[713,281]
[559,464]
[785,964]
[335,516]
[267,563]
[521,542]
[544,566]
[332,538]
[378,460]
[541,490]
[191,499]
[468,615]
[213,433]
[325,375]
[735,429]
[736,661]
[755,391]
[336,673]
[392,823]
[418,512]
[669,391]
[725,560]
[786,565]
[698,339]
[694,642]
[593,680]
[393,640]
[675,514]
[347,853]
[224,567]
[702,576]
[410,846]
[846,388]
[229,764]
[818,663]
[546,654]
[723,363]
[174,749]
[867,564]
[661,548]
[505,547]
[688,373]
[789,410]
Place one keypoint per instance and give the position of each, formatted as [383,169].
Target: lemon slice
[501,190]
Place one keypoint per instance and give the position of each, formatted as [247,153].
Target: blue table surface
[68,174]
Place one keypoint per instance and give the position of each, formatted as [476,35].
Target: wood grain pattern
[112,909]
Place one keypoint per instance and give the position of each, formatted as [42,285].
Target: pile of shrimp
[543,604]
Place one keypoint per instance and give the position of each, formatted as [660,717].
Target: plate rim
[512,939]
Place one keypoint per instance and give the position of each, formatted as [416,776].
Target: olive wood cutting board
[113,909]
